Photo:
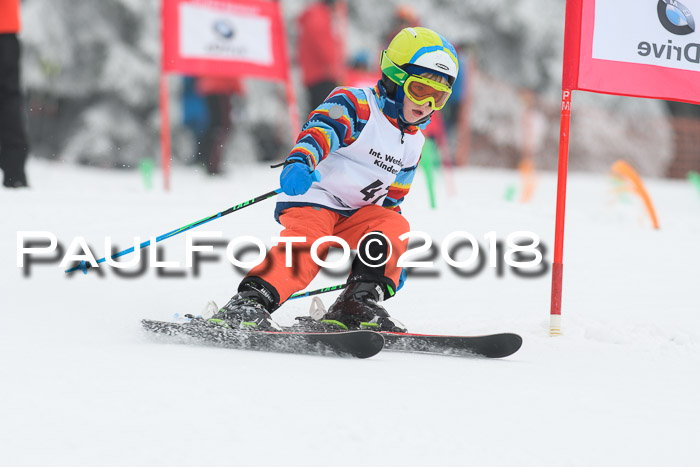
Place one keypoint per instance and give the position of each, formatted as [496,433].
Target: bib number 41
[371,190]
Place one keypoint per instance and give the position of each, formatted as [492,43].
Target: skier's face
[413,112]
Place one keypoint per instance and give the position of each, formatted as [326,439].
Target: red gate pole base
[555,315]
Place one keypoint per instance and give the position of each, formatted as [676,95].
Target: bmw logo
[675,17]
[223,29]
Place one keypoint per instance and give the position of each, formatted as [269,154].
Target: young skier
[352,165]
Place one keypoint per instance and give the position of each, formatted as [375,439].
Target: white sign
[208,33]
[651,32]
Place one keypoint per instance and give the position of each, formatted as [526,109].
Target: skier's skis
[491,345]
[360,344]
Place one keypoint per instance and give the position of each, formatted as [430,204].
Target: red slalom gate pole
[164,131]
[292,105]
[557,265]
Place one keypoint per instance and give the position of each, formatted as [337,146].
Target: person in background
[207,112]
[404,17]
[359,74]
[13,135]
[218,92]
[195,114]
[319,51]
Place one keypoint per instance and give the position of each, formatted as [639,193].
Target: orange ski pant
[314,223]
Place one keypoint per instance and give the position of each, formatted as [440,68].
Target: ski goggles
[419,89]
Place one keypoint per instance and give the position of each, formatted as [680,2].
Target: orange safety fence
[624,171]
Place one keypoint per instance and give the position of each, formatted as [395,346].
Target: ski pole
[317,291]
[84,266]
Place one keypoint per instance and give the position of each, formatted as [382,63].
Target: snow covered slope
[81,385]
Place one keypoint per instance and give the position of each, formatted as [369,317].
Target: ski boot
[358,307]
[248,309]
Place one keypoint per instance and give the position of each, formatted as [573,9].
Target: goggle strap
[394,73]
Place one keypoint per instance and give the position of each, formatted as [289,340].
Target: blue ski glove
[402,278]
[297,177]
